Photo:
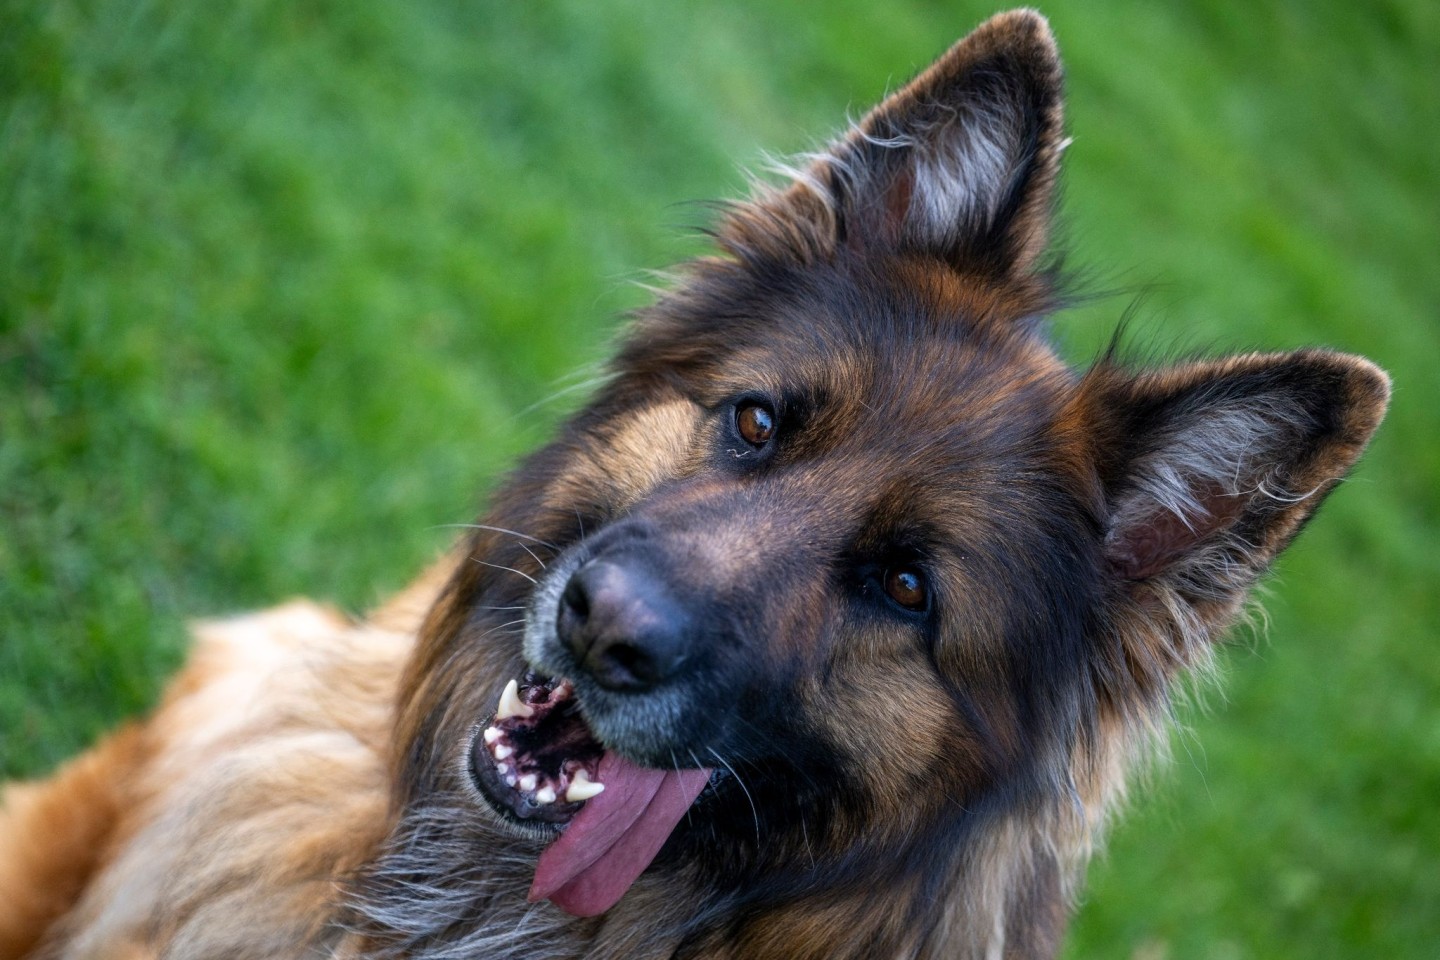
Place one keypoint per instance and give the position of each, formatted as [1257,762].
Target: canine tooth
[527,782]
[582,787]
[492,734]
[503,752]
[511,705]
[546,795]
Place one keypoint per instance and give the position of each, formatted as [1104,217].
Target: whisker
[762,739]
[502,626]
[753,811]
[533,555]
[583,385]
[501,566]
[486,526]
[805,832]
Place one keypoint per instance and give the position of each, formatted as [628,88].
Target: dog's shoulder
[195,832]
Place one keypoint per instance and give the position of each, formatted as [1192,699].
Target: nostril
[575,599]
[623,665]
[572,618]
[622,624]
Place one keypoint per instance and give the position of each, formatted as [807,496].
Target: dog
[829,628]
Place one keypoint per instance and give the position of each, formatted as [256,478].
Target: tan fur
[307,787]
[222,824]
[55,834]
[639,453]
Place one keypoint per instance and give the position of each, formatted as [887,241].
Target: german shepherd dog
[828,629]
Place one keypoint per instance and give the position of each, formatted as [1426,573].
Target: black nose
[623,625]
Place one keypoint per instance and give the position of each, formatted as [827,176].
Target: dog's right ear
[960,165]
[1208,470]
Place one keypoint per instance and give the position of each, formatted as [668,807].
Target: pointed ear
[960,164]
[1210,469]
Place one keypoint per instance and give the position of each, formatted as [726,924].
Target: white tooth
[527,782]
[582,787]
[511,705]
[503,752]
[504,768]
[510,779]
[492,734]
[546,795]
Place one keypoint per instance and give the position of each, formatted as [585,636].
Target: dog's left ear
[960,164]
[1208,470]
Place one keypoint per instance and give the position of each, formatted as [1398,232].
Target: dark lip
[544,822]
[505,801]
[544,737]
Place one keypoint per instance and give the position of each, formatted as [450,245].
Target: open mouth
[538,763]
[536,759]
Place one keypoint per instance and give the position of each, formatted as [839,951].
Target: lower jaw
[542,823]
[539,716]
[535,760]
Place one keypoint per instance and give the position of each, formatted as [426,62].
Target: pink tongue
[614,836]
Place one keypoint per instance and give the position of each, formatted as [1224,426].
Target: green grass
[283,286]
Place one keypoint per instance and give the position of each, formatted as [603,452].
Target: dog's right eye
[906,586]
[755,423]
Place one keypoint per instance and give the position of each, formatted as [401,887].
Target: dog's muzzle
[623,625]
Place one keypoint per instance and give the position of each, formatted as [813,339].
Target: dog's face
[834,548]
[843,564]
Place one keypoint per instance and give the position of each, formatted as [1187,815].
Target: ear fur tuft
[960,164]
[1210,469]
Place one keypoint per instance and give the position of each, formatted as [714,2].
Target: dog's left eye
[907,587]
[755,422]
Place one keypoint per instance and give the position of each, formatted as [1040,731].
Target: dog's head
[843,553]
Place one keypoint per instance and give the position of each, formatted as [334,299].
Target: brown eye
[906,586]
[755,423]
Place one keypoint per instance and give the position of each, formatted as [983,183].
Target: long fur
[891,779]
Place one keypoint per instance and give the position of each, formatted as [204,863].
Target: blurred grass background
[283,286]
